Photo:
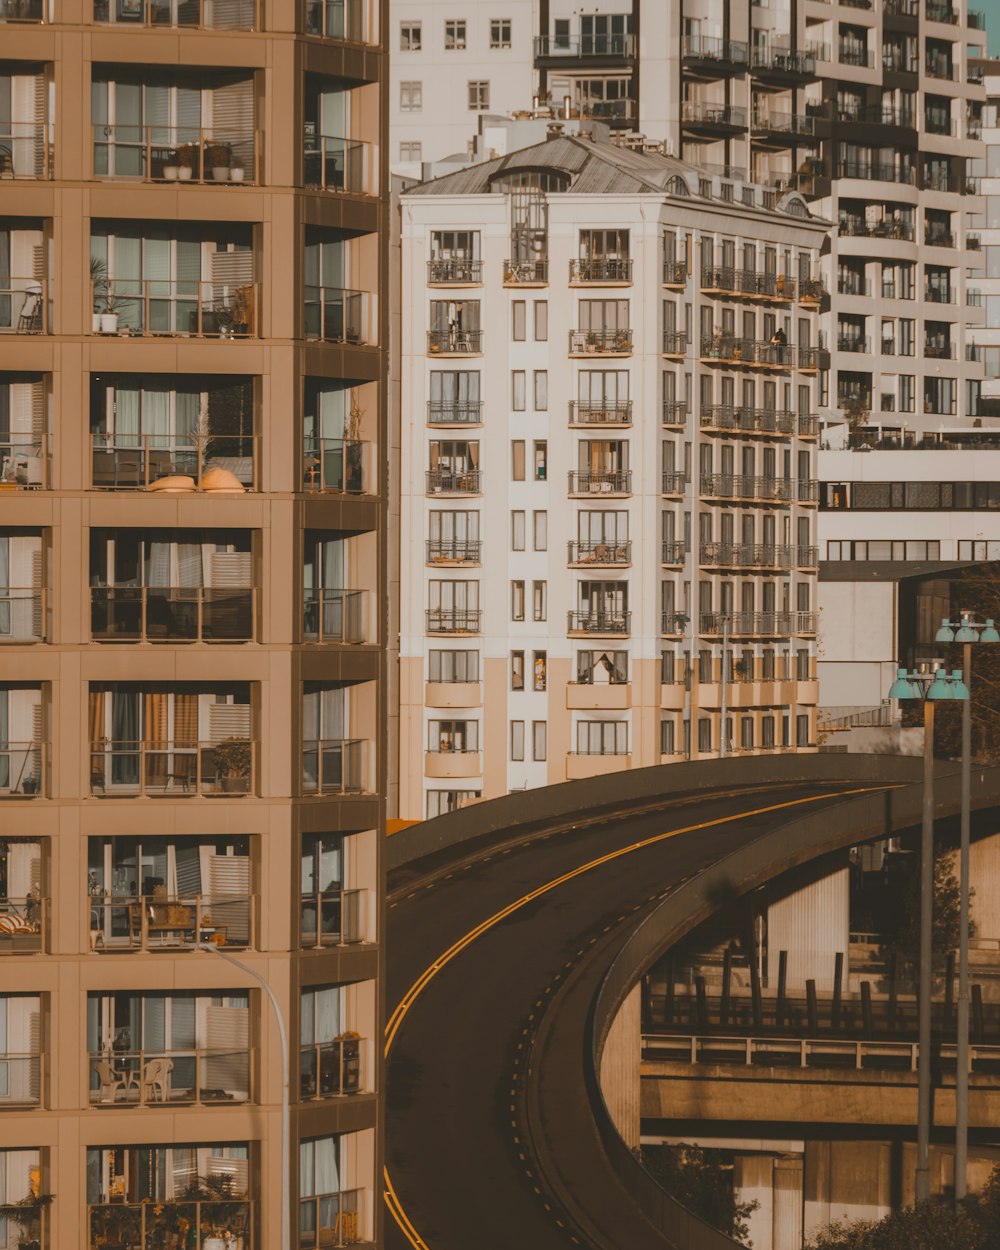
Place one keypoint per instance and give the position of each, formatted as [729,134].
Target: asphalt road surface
[475,956]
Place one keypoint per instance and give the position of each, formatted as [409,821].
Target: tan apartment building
[192,571]
[610,363]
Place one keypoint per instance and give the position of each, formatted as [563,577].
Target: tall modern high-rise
[192,608]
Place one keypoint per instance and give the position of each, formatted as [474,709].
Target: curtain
[190,565]
[187,417]
[156,416]
[125,737]
[327,1013]
[4,730]
[127,418]
[158,564]
[5,606]
[155,708]
[96,732]
[5,300]
[186,733]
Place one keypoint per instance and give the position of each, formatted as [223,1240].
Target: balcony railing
[596,412]
[600,552]
[23,768]
[699,113]
[454,620]
[672,482]
[747,351]
[332,917]
[743,486]
[599,622]
[675,412]
[23,924]
[615,342]
[454,481]
[329,1220]
[853,343]
[333,314]
[172,613]
[337,19]
[877,172]
[675,272]
[454,342]
[776,121]
[334,164]
[454,412]
[24,461]
[330,1069]
[619,46]
[190,309]
[936,350]
[142,1223]
[24,306]
[672,552]
[738,420]
[460,272]
[940,67]
[136,461]
[151,922]
[707,48]
[22,614]
[599,481]
[22,10]
[745,556]
[334,616]
[806,557]
[334,466]
[20,1080]
[813,358]
[171,1078]
[939,238]
[530,272]
[857,227]
[25,150]
[454,551]
[196,14]
[732,281]
[783,61]
[334,766]
[603,269]
[674,343]
[760,624]
[176,154]
[172,768]
[939,294]
[855,54]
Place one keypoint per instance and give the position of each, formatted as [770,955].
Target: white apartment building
[608,501]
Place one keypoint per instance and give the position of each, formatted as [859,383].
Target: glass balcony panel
[334,615]
[331,1219]
[334,766]
[332,917]
[330,1069]
[170,768]
[182,155]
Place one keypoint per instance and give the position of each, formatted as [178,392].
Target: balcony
[24,461]
[162,922]
[176,154]
[723,56]
[526,272]
[755,353]
[675,272]
[183,14]
[730,419]
[588,412]
[940,67]
[857,227]
[330,163]
[454,412]
[137,461]
[336,616]
[940,294]
[745,556]
[935,12]
[23,923]
[853,343]
[334,766]
[22,10]
[812,358]
[453,694]
[454,482]
[778,122]
[674,343]
[452,763]
[329,1220]
[173,769]
[23,769]
[172,1078]
[675,412]
[934,349]
[773,62]
[716,118]
[334,466]
[333,917]
[337,19]
[24,306]
[600,342]
[726,280]
[562,48]
[599,482]
[603,270]
[757,624]
[877,172]
[172,613]
[454,342]
[454,272]
[607,623]
[672,482]
[771,490]
[938,237]
[453,551]
[454,620]
[855,54]
[26,150]
[806,557]
[672,553]
[599,553]
[598,696]
[808,425]
[333,314]
[194,309]
[142,1223]
[331,1069]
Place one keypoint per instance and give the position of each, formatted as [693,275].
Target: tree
[700,1181]
[900,914]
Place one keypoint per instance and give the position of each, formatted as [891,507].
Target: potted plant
[26,1213]
[237,172]
[98,283]
[233,762]
[172,166]
[218,158]
[109,315]
[186,154]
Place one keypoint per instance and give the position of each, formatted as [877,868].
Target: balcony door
[151,276]
[22,123]
[122,111]
[143,737]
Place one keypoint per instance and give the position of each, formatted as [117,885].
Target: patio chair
[154,1078]
[110,1080]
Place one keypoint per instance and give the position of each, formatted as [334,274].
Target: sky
[992,10]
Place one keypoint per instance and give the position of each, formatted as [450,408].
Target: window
[517,601]
[539,671]
[518,390]
[542,319]
[454,36]
[517,531]
[517,740]
[541,390]
[802,731]
[500,32]
[411,97]
[539,600]
[453,666]
[667,737]
[412,151]
[602,737]
[746,733]
[410,37]
[479,96]
[541,459]
[704,734]
[441,801]
[518,320]
[539,744]
[541,530]
[453,736]
[517,670]
[517,460]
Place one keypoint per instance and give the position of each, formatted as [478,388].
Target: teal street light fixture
[931,689]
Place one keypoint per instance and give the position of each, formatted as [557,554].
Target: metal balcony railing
[23,611]
[940,67]
[675,412]
[776,121]
[597,412]
[745,555]
[460,272]
[24,460]
[672,552]
[813,358]
[25,306]
[453,551]
[603,269]
[588,621]
[24,924]
[23,769]
[535,272]
[332,917]
[600,552]
[733,419]
[172,613]
[741,486]
[333,314]
[331,1069]
[329,1220]
[454,620]
[158,922]
[936,350]
[783,61]
[599,481]
[26,150]
[617,342]
[191,14]
[855,54]
[733,281]
[454,412]
[136,461]
[747,351]
[334,616]
[176,154]
[674,343]
[806,557]
[334,766]
[190,309]
[675,272]
[173,768]
[759,624]
[853,343]
[565,47]
[335,466]
[807,491]
[335,164]
[171,1078]
[808,425]
[700,113]
[454,481]
[672,482]
[871,171]
[337,19]
[857,227]
[139,1223]
[454,342]
[708,48]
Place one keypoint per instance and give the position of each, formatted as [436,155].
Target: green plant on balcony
[26,1214]
[224,1213]
[233,761]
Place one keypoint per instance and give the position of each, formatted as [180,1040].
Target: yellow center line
[442,961]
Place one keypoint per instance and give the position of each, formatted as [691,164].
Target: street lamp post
[285,1117]
[966,632]
[923,686]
